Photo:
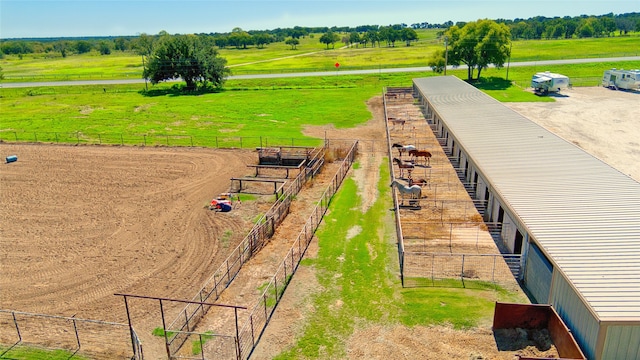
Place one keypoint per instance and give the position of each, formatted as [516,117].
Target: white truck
[546,82]
[621,79]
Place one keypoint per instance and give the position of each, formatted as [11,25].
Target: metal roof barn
[582,214]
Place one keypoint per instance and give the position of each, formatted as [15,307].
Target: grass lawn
[31,353]
[279,113]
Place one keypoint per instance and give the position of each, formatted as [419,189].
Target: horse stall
[284,155]
[288,161]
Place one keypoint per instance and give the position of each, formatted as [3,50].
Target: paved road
[318,73]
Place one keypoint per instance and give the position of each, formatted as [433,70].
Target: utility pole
[509,61]
[446,55]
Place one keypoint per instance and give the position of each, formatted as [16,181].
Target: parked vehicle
[621,79]
[546,82]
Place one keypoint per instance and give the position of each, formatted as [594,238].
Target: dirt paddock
[80,223]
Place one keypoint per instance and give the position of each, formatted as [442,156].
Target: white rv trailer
[546,82]
[621,79]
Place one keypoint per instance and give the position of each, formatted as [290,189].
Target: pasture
[310,55]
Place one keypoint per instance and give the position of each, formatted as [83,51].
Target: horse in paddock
[419,182]
[396,121]
[403,148]
[415,191]
[403,165]
[421,153]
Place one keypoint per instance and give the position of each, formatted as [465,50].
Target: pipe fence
[93,338]
[264,229]
[240,347]
[259,317]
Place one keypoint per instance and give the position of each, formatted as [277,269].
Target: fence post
[275,286]
[56,137]
[144,137]
[35,136]
[264,298]
[253,338]
[121,139]
[78,136]
[75,329]
[99,139]
[15,321]
[216,142]
[191,137]
[15,134]
[284,265]
[493,270]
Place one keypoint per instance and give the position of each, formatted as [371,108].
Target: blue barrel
[12,158]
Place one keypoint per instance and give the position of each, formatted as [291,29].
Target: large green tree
[479,44]
[329,38]
[408,35]
[188,58]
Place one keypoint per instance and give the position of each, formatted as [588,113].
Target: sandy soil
[78,224]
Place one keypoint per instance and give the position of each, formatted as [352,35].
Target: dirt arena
[80,223]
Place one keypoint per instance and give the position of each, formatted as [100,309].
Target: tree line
[539,27]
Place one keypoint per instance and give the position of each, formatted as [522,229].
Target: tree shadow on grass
[179,90]
[491,83]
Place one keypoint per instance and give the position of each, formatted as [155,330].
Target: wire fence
[93,338]
[434,269]
[264,229]
[262,312]
[164,140]
[241,347]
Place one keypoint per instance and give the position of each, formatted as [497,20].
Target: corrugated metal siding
[583,325]
[538,274]
[623,342]
[584,214]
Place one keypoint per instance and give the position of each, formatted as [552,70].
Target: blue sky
[54,18]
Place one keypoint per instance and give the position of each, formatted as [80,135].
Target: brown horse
[403,165]
[396,121]
[421,153]
[419,182]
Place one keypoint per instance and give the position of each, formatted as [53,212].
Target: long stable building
[574,219]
